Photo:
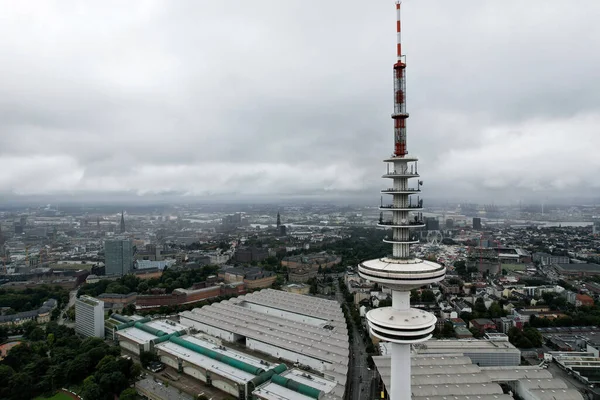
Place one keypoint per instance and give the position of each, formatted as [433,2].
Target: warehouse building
[300,329]
[241,375]
[296,385]
[438,377]
[136,335]
[485,353]
[445,377]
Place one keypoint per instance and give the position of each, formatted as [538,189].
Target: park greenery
[55,358]
[363,244]
[170,280]
[527,338]
[31,298]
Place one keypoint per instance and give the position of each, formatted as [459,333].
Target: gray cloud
[207,98]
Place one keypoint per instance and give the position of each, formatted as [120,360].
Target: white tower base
[400,372]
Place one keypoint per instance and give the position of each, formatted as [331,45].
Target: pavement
[571,382]
[182,382]
[360,378]
[72,297]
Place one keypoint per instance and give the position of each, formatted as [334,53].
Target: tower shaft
[401,271]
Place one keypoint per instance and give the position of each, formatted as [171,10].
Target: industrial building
[300,329]
[485,353]
[241,375]
[89,316]
[206,359]
[136,335]
[579,269]
[449,376]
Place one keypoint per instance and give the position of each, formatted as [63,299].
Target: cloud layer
[293,98]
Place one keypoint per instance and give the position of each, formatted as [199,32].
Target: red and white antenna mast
[400,115]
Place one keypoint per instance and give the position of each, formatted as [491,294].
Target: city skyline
[205,101]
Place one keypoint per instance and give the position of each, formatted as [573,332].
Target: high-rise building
[432,224]
[402,271]
[477,223]
[118,256]
[278,219]
[89,316]
[122,226]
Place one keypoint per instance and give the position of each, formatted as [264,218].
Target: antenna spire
[398,30]
[400,115]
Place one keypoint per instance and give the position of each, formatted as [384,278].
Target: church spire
[122,230]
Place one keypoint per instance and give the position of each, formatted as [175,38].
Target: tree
[128,394]
[21,386]
[460,267]
[146,357]
[466,316]
[534,337]
[479,306]
[476,333]
[28,327]
[495,311]
[50,339]
[427,296]
[6,374]
[143,287]
[448,330]
[116,287]
[415,297]
[91,390]
[135,371]
[129,309]
[36,334]
[3,333]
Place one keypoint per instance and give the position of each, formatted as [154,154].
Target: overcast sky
[294,97]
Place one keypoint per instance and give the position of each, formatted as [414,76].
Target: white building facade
[89,317]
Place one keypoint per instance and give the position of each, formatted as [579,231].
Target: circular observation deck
[401,191]
[390,224]
[401,326]
[401,241]
[397,174]
[401,159]
[401,274]
[410,207]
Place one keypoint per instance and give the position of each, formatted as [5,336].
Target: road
[72,297]
[360,378]
[571,382]
[183,382]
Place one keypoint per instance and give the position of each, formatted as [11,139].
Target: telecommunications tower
[401,271]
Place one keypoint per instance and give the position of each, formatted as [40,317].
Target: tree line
[56,357]
[170,280]
[31,298]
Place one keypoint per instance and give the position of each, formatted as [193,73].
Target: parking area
[170,376]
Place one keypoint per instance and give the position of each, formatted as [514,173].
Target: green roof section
[296,386]
[217,356]
[132,323]
[265,376]
[167,337]
[125,325]
[120,318]
[156,332]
